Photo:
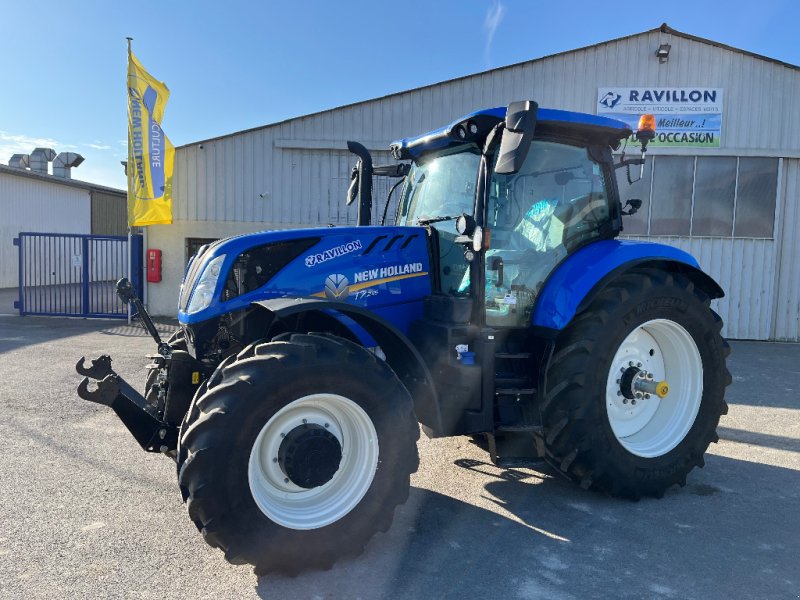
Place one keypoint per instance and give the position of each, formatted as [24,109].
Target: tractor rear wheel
[635,387]
[297,452]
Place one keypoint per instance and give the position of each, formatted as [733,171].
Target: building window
[194,244]
[714,192]
[755,200]
[671,197]
[703,196]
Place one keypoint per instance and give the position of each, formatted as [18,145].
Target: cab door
[556,203]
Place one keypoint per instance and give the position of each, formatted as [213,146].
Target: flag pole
[130,233]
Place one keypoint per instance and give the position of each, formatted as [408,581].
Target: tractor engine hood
[372,267]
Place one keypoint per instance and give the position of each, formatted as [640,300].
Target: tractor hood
[372,267]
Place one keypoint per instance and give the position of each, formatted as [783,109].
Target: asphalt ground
[85,513]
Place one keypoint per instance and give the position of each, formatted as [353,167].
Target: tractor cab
[499,229]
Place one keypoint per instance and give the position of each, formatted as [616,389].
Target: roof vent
[20,161]
[39,159]
[63,163]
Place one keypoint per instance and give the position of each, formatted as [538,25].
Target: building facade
[39,202]
[733,203]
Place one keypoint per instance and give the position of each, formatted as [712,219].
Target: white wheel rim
[296,507]
[653,426]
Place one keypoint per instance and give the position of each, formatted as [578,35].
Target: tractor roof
[556,121]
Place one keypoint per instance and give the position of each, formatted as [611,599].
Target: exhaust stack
[20,161]
[39,159]
[62,165]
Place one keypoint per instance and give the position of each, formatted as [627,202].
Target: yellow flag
[151,156]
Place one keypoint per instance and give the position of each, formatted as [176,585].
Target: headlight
[204,290]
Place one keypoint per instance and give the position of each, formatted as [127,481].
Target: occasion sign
[685,117]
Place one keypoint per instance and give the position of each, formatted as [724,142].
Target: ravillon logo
[610,100]
[337,287]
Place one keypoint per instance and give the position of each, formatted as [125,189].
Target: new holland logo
[610,100]
[337,287]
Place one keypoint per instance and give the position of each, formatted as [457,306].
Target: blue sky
[233,65]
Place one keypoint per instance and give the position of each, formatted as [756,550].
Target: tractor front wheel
[635,387]
[297,452]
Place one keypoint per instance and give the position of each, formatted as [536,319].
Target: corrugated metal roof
[76,183]
[663,28]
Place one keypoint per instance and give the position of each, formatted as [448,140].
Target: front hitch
[139,416]
[134,411]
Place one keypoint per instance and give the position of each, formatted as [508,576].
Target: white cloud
[491,22]
[11,144]
[14,143]
[98,145]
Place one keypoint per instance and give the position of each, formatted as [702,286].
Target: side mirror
[517,136]
[633,205]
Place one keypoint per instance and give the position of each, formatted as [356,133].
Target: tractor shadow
[531,534]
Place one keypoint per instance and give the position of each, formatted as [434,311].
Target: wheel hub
[309,455]
[648,415]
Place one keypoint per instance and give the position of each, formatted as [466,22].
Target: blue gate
[74,275]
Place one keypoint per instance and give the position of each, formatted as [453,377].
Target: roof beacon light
[646,130]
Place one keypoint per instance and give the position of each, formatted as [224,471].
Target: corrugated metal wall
[746,271]
[786,325]
[223,179]
[109,213]
[30,205]
[296,171]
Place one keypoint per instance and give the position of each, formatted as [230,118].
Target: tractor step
[538,429]
[514,391]
[134,411]
[520,463]
[516,446]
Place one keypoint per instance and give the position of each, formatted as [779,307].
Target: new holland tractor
[498,305]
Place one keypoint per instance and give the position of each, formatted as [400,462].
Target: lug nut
[618,381]
[285,480]
[624,400]
[638,364]
[630,363]
[275,459]
[619,393]
[633,402]
[647,396]
[327,425]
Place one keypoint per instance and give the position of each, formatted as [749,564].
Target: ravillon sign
[685,117]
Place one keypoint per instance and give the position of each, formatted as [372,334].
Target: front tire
[297,453]
[601,428]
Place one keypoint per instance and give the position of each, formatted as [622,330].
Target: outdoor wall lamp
[663,53]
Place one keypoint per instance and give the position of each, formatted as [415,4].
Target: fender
[578,279]
[401,355]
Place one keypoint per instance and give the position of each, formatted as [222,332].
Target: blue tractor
[498,305]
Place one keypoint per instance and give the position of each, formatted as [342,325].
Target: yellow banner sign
[151,156]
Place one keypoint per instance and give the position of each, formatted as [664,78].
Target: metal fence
[74,275]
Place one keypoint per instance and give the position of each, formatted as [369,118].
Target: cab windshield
[439,188]
[440,185]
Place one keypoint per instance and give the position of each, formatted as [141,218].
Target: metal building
[733,202]
[32,200]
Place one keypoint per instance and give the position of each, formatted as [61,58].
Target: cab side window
[554,204]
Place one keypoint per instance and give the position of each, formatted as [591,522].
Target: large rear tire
[297,452]
[602,428]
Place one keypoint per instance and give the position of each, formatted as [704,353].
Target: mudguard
[401,355]
[583,274]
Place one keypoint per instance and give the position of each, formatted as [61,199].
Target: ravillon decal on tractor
[498,305]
